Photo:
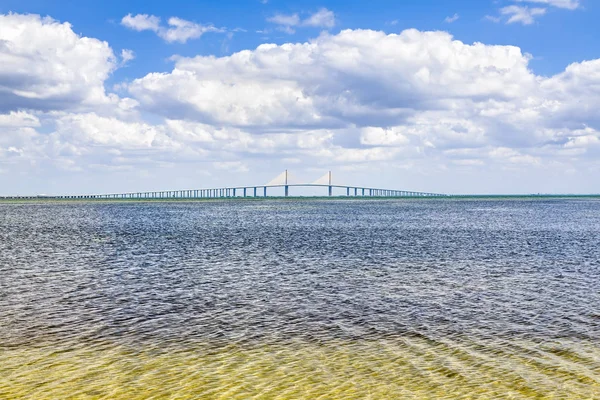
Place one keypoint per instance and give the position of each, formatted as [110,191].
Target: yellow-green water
[385,369]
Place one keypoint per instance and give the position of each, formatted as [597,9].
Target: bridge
[282,180]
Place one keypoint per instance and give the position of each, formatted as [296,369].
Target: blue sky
[147,95]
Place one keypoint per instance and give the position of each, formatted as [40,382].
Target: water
[300,299]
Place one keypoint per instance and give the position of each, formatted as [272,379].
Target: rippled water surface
[300,299]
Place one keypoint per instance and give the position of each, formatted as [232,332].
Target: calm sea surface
[300,299]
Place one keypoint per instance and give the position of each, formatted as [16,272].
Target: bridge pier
[265,191]
[255,191]
[348,191]
[330,190]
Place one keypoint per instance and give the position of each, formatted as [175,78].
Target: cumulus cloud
[323,18]
[181,30]
[19,119]
[141,22]
[45,65]
[526,15]
[287,20]
[178,30]
[523,15]
[421,102]
[355,77]
[378,96]
[92,129]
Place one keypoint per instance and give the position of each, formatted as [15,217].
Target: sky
[457,97]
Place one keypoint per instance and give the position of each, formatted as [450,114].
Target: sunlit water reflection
[300,299]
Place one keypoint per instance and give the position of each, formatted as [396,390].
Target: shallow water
[300,299]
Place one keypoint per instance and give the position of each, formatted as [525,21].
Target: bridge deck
[239,191]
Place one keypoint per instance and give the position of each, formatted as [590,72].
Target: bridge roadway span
[238,191]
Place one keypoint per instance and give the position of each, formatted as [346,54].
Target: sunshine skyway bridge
[282,181]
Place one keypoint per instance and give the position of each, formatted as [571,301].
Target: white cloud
[282,19]
[523,15]
[353,77]
[94,130]
[568,4]
[323,18]
[452,19]
[45,65]
[422,105]
[377,97]
[527,16]
[378,136]
[141,22]
[127,55]
[178,30]
[181,30]
[19,119]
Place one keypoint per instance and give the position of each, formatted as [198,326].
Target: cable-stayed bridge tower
[325,180]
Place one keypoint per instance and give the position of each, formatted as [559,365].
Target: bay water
[287,299]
